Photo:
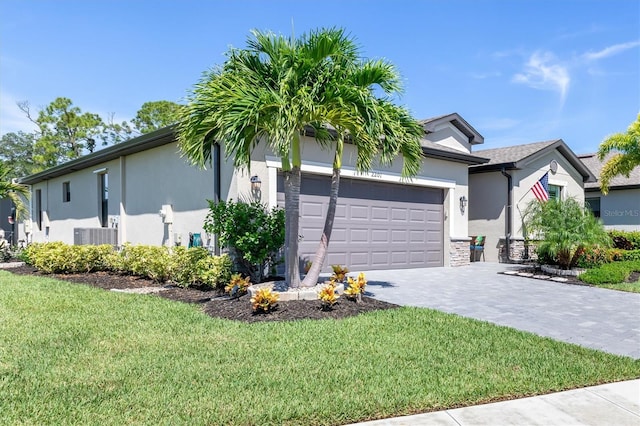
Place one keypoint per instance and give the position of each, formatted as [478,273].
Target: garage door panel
[379,236]
[357,236]
[380,213]
[377,225]
[358,212]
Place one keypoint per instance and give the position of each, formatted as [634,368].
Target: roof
[141,143]
[167,135]
[518,156]
[429,125]
[618,182]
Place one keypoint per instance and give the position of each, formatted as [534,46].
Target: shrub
[264,300]
[596,256]
[339,273]
[631,255]
[151,262]
[60,258]
[328,295]
[252,234]
[214,271]
[356,287]
[566,229]
[610,273]
[183,266]
[237,285]
[625,240]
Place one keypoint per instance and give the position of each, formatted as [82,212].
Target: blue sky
[518,71]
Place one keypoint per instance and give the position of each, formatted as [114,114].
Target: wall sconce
[256,183]
[463,204]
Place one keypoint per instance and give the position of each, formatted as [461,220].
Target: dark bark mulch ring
[633,277]
[215,303]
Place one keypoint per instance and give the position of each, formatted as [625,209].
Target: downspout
[508,213]
[216,189]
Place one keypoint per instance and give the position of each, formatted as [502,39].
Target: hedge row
[183,266]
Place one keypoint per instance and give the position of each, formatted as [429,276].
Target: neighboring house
[500,190]
[142,192]
[620,208]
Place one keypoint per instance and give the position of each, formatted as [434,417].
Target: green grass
[613,275]
[71,354]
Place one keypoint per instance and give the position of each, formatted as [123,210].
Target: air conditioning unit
[95,236]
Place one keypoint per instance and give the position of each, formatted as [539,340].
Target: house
[500,190]
[620,208]
[142,192]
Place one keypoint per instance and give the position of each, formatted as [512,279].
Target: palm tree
[627,157]
[273,91]
[12,190]
[566,228]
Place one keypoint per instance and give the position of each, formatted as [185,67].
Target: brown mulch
[215,303]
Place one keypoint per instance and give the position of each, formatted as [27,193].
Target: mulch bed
[215,303]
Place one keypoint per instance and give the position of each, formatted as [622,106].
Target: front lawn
[75,354]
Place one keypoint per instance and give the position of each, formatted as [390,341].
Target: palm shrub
[253,235]
[565,229]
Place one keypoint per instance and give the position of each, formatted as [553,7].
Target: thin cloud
[482,76]
[610,51]
[543,72]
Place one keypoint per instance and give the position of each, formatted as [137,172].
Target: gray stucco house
[620,208]
[500,190]
[142,192]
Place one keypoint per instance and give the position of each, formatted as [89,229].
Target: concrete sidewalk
[610,404]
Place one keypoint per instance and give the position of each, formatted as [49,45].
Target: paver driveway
[607,320]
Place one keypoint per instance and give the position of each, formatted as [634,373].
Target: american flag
[541,188]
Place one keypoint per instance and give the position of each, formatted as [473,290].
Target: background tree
[17,149]
[565,228]
[626,147]
[156,115]
[273,91]
[15,192]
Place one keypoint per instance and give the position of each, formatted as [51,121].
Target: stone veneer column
[459,252]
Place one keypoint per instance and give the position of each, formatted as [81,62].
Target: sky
[518,71]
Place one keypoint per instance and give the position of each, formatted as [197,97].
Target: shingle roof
[517,157]
[513,154]
[458,122]
[595,165]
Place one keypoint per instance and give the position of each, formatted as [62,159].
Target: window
[39,209]
[104,200]
[66,192]
[594,205]
[555,192]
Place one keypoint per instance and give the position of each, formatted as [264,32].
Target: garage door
[377,226]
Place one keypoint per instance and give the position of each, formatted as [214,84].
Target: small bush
[610,273]
[339,273]
[596,256]
[264,300]
[60,258]
[328,295]
[356,287]
[625,240]
[214,271]
[631,255]
[151,262]
[237,286]
[183,266]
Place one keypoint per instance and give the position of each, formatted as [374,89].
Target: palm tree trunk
[323,247]
[292,222]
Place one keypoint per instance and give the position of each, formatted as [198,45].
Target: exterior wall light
[463,204]
[256,183]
